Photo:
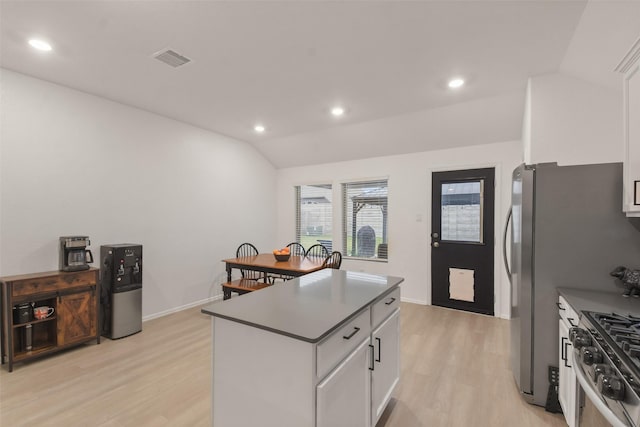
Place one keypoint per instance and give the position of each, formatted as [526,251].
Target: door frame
[501,288]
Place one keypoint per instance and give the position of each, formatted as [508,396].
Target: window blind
[314,215]
[364,220]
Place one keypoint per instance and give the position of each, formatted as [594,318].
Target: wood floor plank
[454,372]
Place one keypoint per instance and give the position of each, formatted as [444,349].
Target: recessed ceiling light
[337,111]
[40,45]
[455,83]
[259,128]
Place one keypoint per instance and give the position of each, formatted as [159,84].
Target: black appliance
[22,313]
[73,253]
[121,289]
[606,358]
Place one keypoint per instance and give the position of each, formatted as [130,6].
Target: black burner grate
[622,334]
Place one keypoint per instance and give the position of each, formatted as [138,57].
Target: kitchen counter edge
[600,301]
[365,304]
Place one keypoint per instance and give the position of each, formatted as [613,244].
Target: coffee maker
[74,255]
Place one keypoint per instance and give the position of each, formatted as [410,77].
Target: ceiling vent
[172,58]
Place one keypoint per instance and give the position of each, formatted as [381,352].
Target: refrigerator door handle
[504,244]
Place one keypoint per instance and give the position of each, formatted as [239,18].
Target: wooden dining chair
[296,248]
[250,280]
[248,250]
[333,261]
[317,251]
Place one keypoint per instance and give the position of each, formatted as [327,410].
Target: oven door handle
[594,396]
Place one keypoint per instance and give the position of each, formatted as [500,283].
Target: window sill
[355,258]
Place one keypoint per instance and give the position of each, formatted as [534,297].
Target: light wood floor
[454,373]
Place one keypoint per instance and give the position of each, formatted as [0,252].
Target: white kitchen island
[320,350]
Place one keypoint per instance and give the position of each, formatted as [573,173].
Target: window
[314,215]
[461,218]
[364,231]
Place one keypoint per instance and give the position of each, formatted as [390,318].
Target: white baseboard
[421,302]
[182,307]
[217,297]
[413,301]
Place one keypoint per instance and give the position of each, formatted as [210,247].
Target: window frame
[346,215]
[297,189]
[481,236]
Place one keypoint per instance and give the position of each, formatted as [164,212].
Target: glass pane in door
[462,204]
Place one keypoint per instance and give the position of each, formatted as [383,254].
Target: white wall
[526,125]
[573,122]
[409,224]
[72,163]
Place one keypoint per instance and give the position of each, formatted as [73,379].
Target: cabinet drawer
[568,315]
[58,282]
[334,348]
[385,306]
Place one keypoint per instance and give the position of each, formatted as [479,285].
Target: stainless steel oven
[592,411]
[590,416]
[606,361]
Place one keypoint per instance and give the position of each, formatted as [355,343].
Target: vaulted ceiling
[286,64]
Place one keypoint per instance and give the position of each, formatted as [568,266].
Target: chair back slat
[296,248]
[317,251]
[333,261]
[247,250]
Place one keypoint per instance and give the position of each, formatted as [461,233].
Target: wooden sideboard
[74,297]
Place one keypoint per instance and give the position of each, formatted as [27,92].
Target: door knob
[436,244]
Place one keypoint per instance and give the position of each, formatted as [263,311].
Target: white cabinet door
[343,398]
[567,390]
[632,165]
[386,367]
[631,90]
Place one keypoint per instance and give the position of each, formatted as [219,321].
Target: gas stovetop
[607,349]
[622,334]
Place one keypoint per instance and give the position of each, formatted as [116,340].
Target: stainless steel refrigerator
[567,230]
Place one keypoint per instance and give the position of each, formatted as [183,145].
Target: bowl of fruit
[282,254]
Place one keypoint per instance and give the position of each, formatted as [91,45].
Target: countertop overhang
[309,307]
[601,301]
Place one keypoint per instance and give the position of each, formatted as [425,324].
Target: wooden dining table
[296,265]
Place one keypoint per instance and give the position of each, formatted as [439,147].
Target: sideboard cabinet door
[76,317]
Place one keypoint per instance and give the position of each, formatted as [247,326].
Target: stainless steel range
[607,361]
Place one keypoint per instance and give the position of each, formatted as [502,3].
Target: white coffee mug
[42,312]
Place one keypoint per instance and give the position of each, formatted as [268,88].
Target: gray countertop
[309,307]
[605,302]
